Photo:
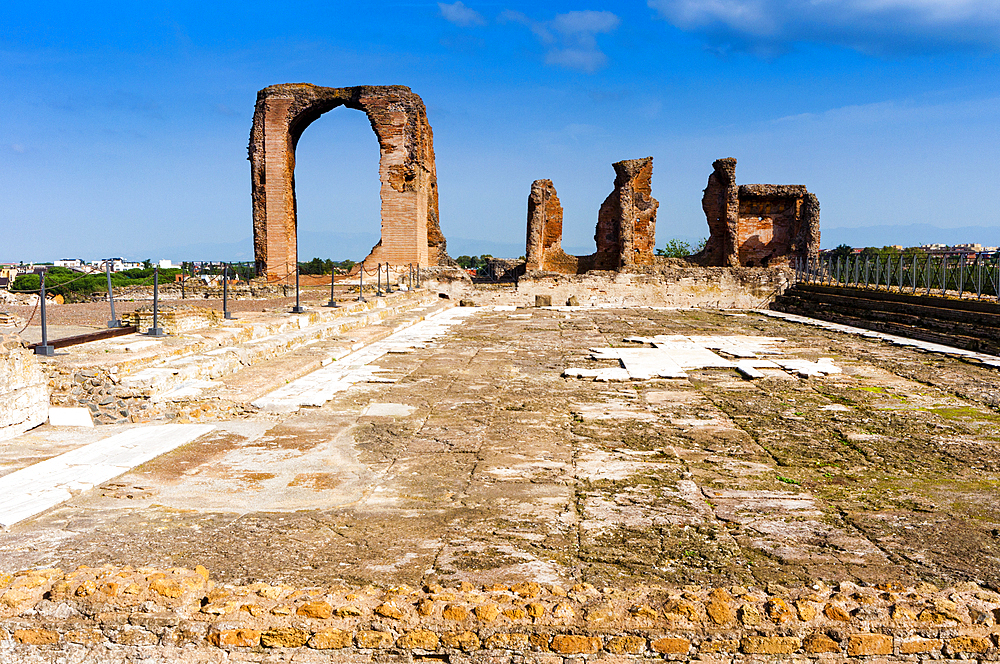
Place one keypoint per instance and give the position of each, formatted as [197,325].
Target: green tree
[675,249]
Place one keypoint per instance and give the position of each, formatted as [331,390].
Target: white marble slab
[70,417]
[41,486]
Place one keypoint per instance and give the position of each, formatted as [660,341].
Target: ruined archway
[410,229]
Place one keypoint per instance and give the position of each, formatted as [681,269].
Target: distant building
[167,264]
[69,262]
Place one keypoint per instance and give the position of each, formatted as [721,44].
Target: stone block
[320,610]
[819,643]
[422,639]
[329,639]
[917,646]
[770,645]
[966,644]
[36,637]
[543,300]
[869,644]
[627,644]
[571,644]
[234,638]
[284,637]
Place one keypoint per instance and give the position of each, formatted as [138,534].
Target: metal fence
[956,274]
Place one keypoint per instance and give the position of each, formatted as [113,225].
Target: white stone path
[930,347]
[32,490]
[318,387]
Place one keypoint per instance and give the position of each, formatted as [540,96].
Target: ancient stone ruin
[755,225]
[626,224]
[410,229]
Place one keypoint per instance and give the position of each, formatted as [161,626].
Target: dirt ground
[482,463]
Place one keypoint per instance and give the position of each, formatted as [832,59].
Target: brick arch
[411,232]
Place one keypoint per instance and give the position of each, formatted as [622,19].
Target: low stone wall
[671,283]
[113,614]
[173,319]
[24,388]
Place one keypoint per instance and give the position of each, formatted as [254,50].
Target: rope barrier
[32,317]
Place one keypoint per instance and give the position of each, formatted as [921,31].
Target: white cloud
[461,15]
[874,26]
[571,38]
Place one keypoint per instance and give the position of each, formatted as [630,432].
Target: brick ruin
[626,224]
[756,225]
[410,228]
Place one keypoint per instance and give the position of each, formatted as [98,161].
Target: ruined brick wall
[757,224]
[410,225]
[721,207]
[626,224]
[543,250]
[111,614]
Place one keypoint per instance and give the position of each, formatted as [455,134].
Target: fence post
[418,275]
[333,275]
[961,274]
[44,348]
[298,308]
[111,296]
[378,273]
[361,285]
[156,330]
[388,286]
[225,292]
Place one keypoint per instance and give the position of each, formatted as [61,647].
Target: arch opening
[410,229]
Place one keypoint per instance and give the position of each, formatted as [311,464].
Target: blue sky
[124,127]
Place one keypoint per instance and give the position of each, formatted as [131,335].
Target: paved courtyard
[475,459]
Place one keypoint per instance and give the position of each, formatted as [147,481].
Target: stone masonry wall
[113,614]
[411,231]
[24,389]
[625,232]
[669,283]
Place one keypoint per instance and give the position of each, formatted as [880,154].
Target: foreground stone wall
[24,388]
[757,224]
[411,232]
[112,614]
[626,224]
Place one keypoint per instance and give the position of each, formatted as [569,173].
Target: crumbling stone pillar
[626,223]
[411,231]
[721,206]
[543,249]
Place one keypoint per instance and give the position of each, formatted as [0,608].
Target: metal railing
[955,274]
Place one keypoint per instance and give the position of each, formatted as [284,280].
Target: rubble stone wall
[113,614]
[24,388]
[669,283]
[411,231]
[626,224]
[757,224]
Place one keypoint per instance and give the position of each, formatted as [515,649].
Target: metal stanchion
[298,308]
[225,292]
[44,348]
[332,302]
[411,276]
[183,294]
[111,297]
[388,286]
[418,275]
[156,330]
[361,285]
[378,272]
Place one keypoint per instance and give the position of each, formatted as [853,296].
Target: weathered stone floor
[482,463]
